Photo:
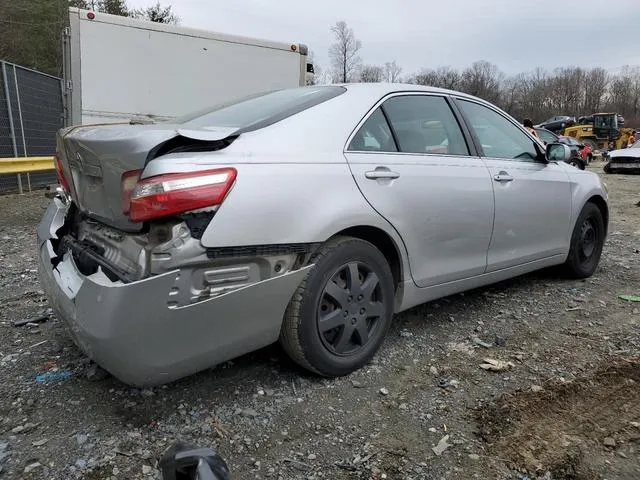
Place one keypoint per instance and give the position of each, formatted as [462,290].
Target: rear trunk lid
[94,158]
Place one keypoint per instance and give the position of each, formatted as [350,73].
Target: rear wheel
[587,241]
[340,314]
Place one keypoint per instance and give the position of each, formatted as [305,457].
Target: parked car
[625,160]
[576,159]
[585,151]
[558,123]
[307,215]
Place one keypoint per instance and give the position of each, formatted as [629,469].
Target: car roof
[381,89]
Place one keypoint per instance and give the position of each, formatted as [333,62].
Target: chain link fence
[31,112]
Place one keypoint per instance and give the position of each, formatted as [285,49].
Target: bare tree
[344,52]
[483,80]
[635,99]
[372,74]
[114,7]
[510,94]
[567,89]
[425,77]
[443,77]
[392,71]
[157,13]
[595,88]
[624,93]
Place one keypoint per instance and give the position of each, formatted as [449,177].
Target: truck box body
[118,68]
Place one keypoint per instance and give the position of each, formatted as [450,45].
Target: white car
[625,160]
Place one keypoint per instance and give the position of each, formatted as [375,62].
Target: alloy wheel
[350,309]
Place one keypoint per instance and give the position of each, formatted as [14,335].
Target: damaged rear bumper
[131,331]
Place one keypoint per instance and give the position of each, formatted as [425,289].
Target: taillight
[60,174]
[128,183]
[171,194]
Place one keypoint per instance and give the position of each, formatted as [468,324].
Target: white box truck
[118,69]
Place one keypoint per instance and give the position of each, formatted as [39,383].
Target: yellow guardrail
[26,164]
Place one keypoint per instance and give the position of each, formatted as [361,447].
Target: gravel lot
[567,407]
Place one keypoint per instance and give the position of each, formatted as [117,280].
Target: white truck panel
[123,68]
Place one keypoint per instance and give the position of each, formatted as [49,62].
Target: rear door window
[425,124]
[374,135]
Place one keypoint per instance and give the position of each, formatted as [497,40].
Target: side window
[425,124]
[546,136]
[374,135]
[499,137]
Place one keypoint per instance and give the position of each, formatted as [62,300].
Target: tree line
[31,29]
[537,94]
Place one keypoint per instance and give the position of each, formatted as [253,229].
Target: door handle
[381,172]
[503,177]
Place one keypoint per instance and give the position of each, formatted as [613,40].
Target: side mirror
[187,462]
[558,152]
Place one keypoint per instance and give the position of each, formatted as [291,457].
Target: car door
[532,196]
[413,164]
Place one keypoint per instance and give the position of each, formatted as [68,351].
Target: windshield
[262,109]
[604,122]
[635,145]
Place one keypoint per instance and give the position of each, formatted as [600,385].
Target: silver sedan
[308,216]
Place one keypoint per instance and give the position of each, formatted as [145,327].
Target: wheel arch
[387,245]
[601,203]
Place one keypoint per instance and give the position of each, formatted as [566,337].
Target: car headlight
[604,185]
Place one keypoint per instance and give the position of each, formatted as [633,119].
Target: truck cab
[607,125]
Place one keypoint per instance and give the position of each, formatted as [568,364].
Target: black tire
[328,353]
[577,162]
[587,241]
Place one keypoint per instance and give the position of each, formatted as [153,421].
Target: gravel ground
[567,406]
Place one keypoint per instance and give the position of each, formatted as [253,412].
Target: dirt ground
[568,407]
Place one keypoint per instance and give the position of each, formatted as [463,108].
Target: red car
[586,152]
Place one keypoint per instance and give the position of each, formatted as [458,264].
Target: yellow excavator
[602,131]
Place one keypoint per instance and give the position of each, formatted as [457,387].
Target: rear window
[262,109]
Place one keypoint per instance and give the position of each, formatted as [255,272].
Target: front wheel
[340,314]
[578,163]
[587,241]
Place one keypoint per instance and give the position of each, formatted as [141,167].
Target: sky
[516,35]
